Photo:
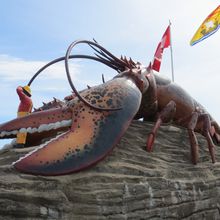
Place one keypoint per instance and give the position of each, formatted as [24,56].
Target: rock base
[130,183]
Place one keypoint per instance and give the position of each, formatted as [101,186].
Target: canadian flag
[164,43]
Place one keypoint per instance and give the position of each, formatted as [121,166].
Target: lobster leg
[216,133]
[164,116]
[206,130]
[192,137]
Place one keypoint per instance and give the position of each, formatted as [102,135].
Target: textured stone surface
[128,184]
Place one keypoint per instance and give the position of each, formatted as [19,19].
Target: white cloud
[14,69]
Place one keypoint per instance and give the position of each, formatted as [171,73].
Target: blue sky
[34,32]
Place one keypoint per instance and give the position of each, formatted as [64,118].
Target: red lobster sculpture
[77,133]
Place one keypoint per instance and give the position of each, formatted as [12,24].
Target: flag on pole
[164,43]
[209,26]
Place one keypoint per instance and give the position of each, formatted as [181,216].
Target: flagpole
[171,53]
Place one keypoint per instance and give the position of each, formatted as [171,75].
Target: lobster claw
[93,133]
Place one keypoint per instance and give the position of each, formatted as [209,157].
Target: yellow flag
[208,27]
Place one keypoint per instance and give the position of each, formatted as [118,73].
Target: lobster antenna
[103,53]
[103,57]
[107,63]
[81,98]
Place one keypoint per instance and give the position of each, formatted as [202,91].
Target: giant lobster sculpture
[83,129]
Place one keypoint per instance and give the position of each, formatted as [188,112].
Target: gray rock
[130,183]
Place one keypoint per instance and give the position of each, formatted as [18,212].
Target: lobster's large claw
[92,135]
[39,126]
